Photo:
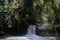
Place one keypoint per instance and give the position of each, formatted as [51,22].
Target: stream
[31,35]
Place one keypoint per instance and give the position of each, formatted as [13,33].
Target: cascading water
[30,35]
[31,29]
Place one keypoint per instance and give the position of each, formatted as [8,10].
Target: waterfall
[31,29]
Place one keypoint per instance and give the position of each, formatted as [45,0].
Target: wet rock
[57,27]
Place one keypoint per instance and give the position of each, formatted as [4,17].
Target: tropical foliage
[19,13]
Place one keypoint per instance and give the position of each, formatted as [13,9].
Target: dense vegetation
[16,15]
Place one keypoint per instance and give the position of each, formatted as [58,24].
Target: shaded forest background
[17,15]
